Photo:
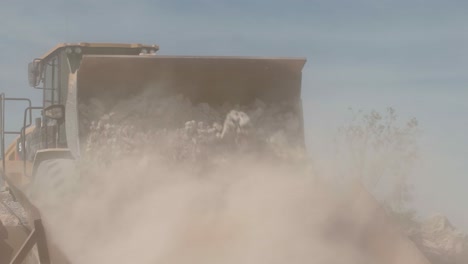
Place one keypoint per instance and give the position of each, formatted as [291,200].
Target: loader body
[71,73]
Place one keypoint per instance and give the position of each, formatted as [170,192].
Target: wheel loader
[70,73]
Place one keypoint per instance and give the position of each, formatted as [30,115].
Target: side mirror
[34,73]
[56,112]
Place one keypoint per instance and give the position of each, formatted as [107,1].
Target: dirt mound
[441,242]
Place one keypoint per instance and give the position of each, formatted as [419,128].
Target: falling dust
[164,181]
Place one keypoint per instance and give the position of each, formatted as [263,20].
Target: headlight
[68,50]
[144,51]
[78,50]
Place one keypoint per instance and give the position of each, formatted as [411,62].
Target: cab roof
[134,46]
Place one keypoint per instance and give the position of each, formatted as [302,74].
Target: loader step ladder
[36,237]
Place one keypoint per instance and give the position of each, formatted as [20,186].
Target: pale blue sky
[370,54]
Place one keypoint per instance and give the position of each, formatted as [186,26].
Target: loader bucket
[212,80]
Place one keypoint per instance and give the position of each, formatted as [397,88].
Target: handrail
[3,99]
[36,237]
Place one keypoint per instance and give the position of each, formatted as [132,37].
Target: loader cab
[50,73]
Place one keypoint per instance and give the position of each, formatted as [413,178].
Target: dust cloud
[150,212]
[183,191]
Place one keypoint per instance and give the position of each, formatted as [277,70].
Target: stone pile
[441,242]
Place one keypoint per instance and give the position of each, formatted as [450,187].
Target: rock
[441,242]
